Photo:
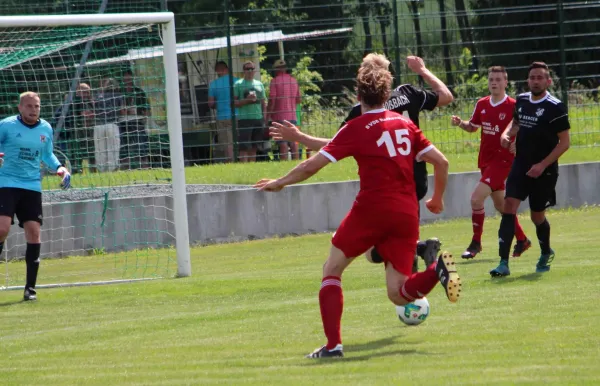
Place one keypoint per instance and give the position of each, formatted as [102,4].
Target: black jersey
[406,100]
[539,124]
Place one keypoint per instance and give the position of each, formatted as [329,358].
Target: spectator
[134,150]
[284,95]
[76,136]
[249,96]
[219,99]
[108,107]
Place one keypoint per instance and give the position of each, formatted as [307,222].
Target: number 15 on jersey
[400,145]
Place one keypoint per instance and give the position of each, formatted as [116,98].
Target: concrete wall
[76,228]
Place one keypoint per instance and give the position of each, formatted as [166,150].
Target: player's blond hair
[374,80]
[499,69]
[28,94]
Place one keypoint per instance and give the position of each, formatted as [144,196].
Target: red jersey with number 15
[493,120]
[384,145]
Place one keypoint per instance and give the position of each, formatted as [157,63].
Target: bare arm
[290,132]
[417,65]
[301,172]
[465,125]
[440,176]
[211,103]
[512,129]
[560,149]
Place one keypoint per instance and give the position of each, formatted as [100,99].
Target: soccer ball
[413,313]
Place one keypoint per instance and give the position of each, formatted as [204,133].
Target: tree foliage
[514,36]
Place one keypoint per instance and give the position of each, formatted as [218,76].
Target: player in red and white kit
[385,212]
[492,113]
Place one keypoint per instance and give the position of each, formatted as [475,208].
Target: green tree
[530,33]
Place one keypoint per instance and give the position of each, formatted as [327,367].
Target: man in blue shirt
[218,98]
[25,141]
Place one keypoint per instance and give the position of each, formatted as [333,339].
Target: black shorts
[420,176]
[541,191]
[26,204]
[250,133]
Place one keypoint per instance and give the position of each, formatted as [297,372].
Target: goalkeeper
[25,141]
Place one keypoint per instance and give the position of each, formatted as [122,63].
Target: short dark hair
[221,63]
[499,69]
[541,65]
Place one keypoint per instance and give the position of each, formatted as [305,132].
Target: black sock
[1,246]
[505,235]
[32,259]
[421,245]
[543,234]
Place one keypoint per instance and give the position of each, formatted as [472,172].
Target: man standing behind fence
[108,107]
[249,96]
[218,98]
[284,95]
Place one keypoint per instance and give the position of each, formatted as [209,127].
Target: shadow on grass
[475,261]
[534,276]
[375,345]
[380,344]
[11,303]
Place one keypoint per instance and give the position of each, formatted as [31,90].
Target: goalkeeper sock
[32,260]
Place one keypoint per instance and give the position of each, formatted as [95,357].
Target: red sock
[477,218]
[419,284]
[519,234]
[331,301]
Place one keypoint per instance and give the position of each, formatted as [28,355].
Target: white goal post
[166,21]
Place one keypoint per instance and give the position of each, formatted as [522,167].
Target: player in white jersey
[25,142]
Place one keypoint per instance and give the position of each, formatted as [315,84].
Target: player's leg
[5,222]
[499,174]
[283,150]
[543,197]
[518,187]
[352,238]
[8,200]
[480,193]
[244,140]
[523,243]
[29,214]
[404,286]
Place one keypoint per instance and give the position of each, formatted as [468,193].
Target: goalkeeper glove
[66,177]
[1,159]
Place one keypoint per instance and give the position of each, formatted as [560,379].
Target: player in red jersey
[385,211]
[492,113]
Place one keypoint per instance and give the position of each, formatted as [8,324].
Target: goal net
[117,127]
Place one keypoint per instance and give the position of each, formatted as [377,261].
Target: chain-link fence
[322,44]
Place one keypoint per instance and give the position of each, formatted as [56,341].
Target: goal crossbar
[87,19]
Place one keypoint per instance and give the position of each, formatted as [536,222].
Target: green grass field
[250,312]
[240,173]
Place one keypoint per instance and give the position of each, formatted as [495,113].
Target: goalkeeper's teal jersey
[24,146]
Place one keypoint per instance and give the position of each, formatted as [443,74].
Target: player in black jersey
[408,101]
[541,125]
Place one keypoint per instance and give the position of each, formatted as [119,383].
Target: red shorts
[495,176]
[395,235]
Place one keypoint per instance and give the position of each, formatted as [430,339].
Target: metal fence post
[563,58]
[398,77]
[234,136]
